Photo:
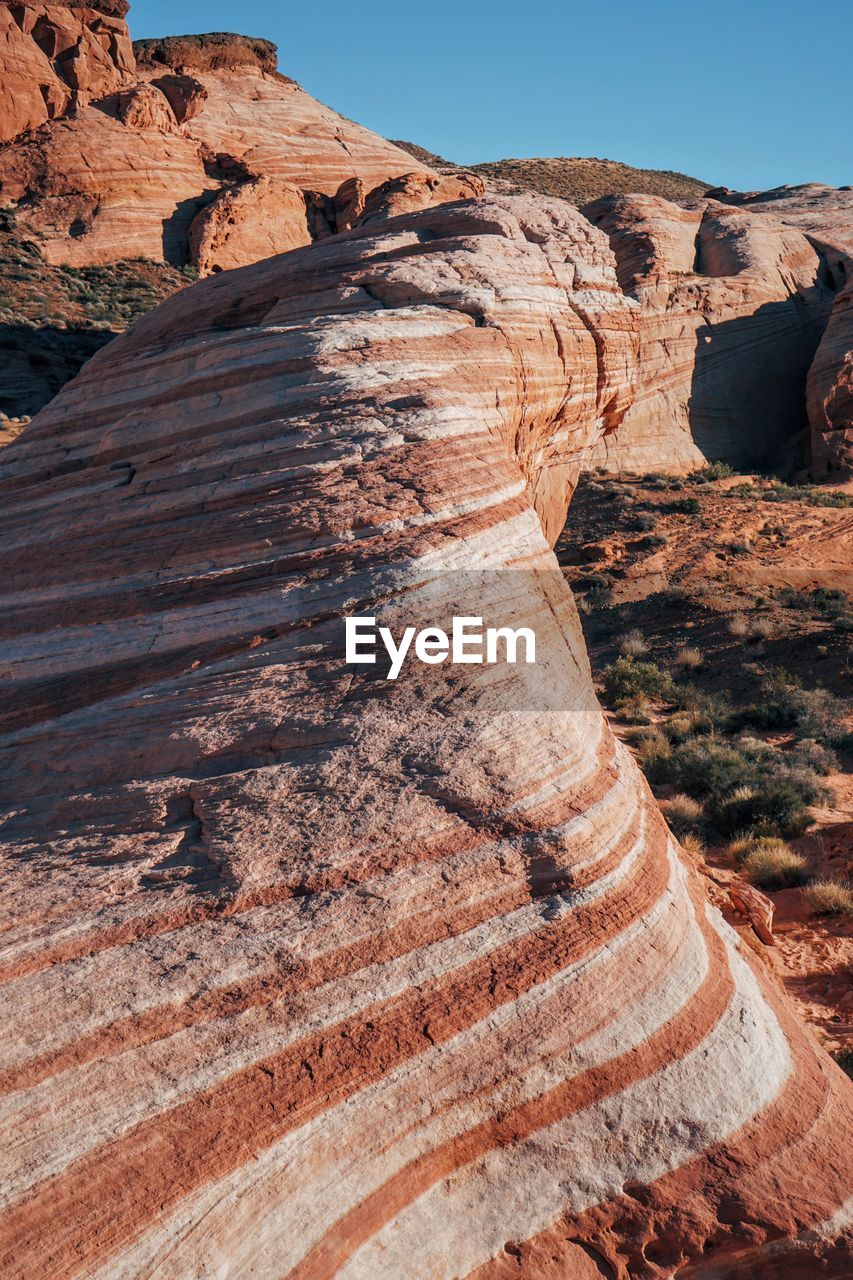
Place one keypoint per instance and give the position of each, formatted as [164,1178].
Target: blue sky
[746,93]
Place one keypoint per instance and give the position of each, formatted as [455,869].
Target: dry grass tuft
[775,868]
[633,645]
[830,897]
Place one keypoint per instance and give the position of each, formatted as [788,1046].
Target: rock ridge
[215,51]
[317,975]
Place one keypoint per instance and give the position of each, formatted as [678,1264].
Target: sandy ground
[734,556]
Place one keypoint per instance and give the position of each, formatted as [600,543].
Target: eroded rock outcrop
[121,167]
[830,388]
[735,297]
[53,56]
[247,223]
[312,973]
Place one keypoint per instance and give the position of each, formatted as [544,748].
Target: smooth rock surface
[315,974]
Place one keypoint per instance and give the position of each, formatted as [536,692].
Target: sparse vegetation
[830,897]
[742,846]
[626,677]
[738,626]
[683,813]
[747,786]
[761,629]
[685,506]
[689,658]
[775,868]
[714,471]
[777,491]
[784,704]
[633,644]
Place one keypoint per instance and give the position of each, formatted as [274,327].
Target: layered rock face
[314,973]
[735,298]
[53,56]
[202,154]
[830,388]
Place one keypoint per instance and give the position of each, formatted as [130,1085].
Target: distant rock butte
[312,974]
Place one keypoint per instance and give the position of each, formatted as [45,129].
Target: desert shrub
[713,471]
[626,677]
[747,787]
[737,548]
[686,724]
[633,644]
[813,756]
[843,623]
[830,897]
[738,626]
[827,601]
[776,805]
[762,629]
[692,843]
[654,752]
[685,506]
[640,521]
[708,709]
[637,710]
[785,704]
[689,658]
[742,846]
[683,813]
[707,769]
[775,868]
[653,540]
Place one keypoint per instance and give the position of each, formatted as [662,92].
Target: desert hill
[578,179]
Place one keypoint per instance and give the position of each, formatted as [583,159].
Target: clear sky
[745,93]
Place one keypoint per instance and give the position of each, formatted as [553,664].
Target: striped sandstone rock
[308,973]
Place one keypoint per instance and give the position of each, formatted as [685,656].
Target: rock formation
[54,56]
[735,297]
[312,973]
[153,159]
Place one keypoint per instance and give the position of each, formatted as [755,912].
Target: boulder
[755,907]
[405,194]
[145,107]
[185,95]
[246,223]
[313,973]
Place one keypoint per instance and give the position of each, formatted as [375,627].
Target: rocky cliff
[735,295]
[54,57]
[312,973]
[199,143]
